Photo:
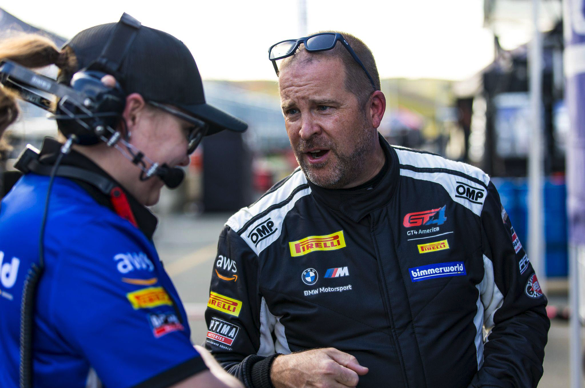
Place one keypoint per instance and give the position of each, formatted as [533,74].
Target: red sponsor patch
[222,331]
[533,289]
[516,241]
[164,323]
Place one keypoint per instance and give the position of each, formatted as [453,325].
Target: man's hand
[323,368]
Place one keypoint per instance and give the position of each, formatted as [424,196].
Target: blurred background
[457,81]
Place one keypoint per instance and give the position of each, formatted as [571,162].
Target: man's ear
[135,106]
[377,107]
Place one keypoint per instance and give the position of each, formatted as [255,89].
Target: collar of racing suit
[144,219]
[356,203]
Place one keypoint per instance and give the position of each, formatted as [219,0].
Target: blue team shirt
[105,307]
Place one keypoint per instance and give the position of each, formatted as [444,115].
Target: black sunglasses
[196,133]
[318,42]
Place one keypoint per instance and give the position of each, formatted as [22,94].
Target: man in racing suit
[370,265]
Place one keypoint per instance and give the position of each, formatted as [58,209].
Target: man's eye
[292,111]
[323,107]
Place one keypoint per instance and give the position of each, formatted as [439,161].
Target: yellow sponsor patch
[433,247]
[140,282]
[224,304]
[149,298]
[310,244]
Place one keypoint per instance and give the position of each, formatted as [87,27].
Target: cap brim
[218,120]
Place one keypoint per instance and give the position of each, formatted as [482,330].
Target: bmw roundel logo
[310,276]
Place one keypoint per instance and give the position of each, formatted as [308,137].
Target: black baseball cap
[160,68]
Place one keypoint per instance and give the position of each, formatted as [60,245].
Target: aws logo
[227,265]
[472,194]
[262,231]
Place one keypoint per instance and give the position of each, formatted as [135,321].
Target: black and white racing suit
[418,274]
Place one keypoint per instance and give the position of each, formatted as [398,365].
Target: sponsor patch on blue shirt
[439,270]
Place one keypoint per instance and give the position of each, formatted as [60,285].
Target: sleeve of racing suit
[514,305]
[235,316]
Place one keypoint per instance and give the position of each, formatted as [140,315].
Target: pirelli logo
[224,304]
[433,247]
[149,298]
[310,244]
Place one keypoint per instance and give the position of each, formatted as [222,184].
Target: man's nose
[309,127]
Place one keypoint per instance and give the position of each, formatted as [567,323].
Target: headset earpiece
[102,107]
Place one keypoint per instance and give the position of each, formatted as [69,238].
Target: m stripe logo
[337,272]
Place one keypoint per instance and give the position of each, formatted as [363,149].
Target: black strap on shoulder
[118,46]
[29,162]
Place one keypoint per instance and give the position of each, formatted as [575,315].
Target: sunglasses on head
[318,42]
[196,133]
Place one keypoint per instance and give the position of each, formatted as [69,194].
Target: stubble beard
[340,170]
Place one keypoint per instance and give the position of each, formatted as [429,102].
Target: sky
[230,38]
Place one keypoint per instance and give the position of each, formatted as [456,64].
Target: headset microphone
[171,176]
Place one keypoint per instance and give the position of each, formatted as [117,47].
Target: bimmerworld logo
[310,244]
[427,217]
[224,304]
[440,270]
[433,247]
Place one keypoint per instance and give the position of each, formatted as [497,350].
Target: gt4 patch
[149,297]
[164,323]
[533,289]
[222,332]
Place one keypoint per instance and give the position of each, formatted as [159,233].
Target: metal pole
[302,17]
[536,244]
[575,323]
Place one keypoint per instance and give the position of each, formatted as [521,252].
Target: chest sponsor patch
[433,247]
[164,324]
[439,270]
[149,298]
[533,289]
[427,217]
[224,304]
[222,332]
[310,244]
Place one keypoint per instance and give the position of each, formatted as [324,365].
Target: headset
[88,112]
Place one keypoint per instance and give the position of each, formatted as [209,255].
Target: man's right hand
[323,368]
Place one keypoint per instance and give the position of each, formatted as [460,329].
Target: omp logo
[427,217]
[472,194]
[262,231]
[222,331]
[164,323]
[224,304]
[310,244]
[440,270]
[433,247]
[133,261]
[149,298]
[337,272]
[8,271]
